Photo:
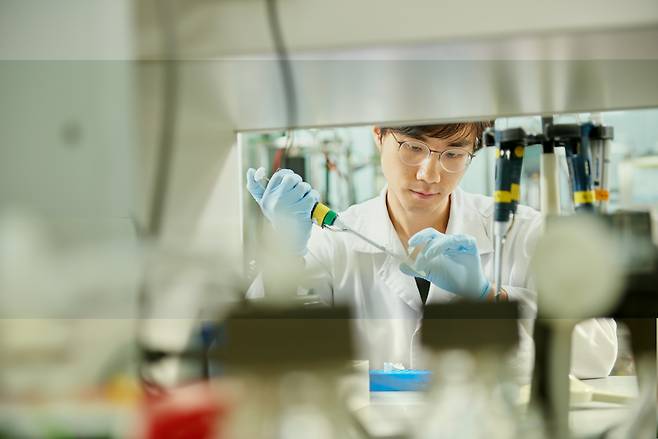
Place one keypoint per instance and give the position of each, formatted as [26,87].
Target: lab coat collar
[467,216]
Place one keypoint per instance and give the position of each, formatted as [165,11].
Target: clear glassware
[473,395]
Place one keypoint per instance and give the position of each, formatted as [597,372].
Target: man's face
[425,187]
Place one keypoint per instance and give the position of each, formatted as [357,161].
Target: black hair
[444,131]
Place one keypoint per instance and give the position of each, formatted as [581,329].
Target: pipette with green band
[327,218]
[324,217]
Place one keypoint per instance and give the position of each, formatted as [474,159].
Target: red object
[190,412]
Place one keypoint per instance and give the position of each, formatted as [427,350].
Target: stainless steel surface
[513,61]
[221,28]
[499,232]
[401,91]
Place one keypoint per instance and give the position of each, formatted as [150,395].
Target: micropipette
[324,217]
[509,158]
[600,140]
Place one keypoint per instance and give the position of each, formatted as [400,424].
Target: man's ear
[377,135]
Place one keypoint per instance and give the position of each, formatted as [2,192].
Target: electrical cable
[168,116]
[168,120]
[287,76]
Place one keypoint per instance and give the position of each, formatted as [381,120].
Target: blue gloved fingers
[314,196]
[420,241]
[304,196]
[287,203]
[485,289]
[306,203]
[290,181]
[301,190]
[469,245]
[408,270]
[440,248]
[426,262]
[451,262]
[254,187]
[461,244]
[432,241]
[276,180]
[423,237]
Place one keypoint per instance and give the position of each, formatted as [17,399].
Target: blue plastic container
[407,380]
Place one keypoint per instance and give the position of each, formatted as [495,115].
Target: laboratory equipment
[66,156]
[509,160]
[287,361]
[637,310]
[398,380]
[587,148]
[549,171]
[325,217]
[576,144]
[557,278]
[193,411]
[575,139]
[472,392]
[600,143]
[616,286]
[580,393]
[337,225]
[572,284]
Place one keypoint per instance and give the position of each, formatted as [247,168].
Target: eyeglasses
[413,153]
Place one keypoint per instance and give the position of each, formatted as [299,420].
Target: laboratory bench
[393,418]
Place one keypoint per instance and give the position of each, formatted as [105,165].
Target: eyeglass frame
[431,151]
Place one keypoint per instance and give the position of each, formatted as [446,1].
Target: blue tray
[408,380]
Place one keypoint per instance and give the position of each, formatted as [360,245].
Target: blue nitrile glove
[286,202]
[452,262]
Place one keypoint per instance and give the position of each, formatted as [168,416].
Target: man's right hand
[286,202]
[451,262]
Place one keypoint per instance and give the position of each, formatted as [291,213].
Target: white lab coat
[387,304]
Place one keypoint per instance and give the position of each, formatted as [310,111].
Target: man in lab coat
[423,207]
